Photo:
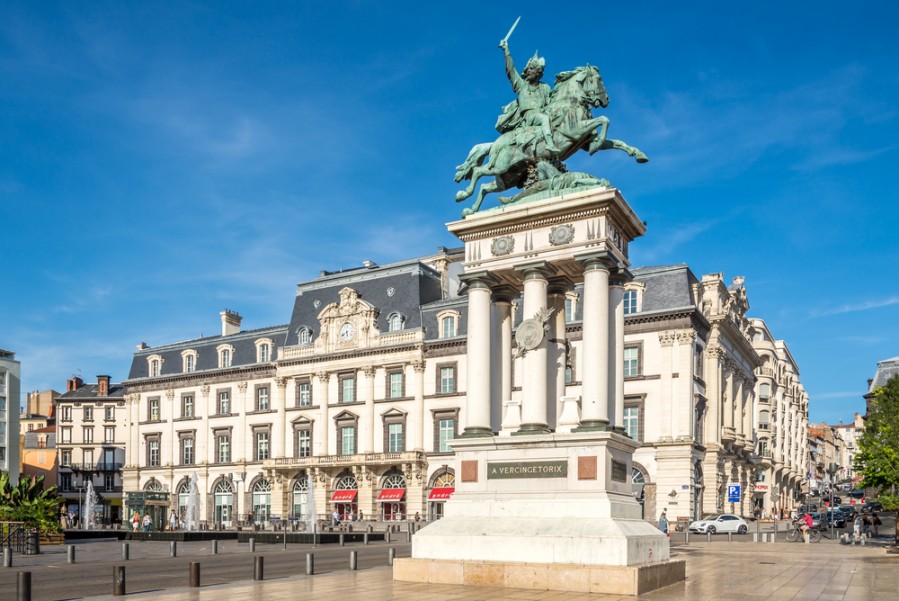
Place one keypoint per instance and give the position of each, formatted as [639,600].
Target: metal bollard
[215,547]
[730,537]
[365,538]
[310,564]
[194,574]
[285,540]
[23,586]
[687,536]
[118,581]
[391,554]
[70,553]
[258,565]
[252,545]
[341,539]
[173,549]
[352,560]
[708,537]
[125,552]
[387,536]
[7,557]
[409,535]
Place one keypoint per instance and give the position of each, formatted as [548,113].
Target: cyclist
[806,523]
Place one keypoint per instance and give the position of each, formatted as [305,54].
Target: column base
[476,432]
[593,425]
[527,429]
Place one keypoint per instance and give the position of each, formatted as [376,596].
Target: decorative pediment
[347,324]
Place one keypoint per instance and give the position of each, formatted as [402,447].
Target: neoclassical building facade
[363,391]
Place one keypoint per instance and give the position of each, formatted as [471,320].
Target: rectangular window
[65,482]
[348,389]
[447,431]
[396,384]
[153,453]
[632,422]
[187,405]
[187,451]
[109,413]
[261,446]
[348,440]
[395,438]
[87,434]
[448,327]
[224,404]
[109,482]
[153,410]
[569,310]
[304,394]
[447,380]
[262,399]
[88,457]
[66,413]
[109,434]
[631,361]
[65,458]
[303,443]
[88,414]
[223,442]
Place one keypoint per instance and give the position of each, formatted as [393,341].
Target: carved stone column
[477,405]
[204,435]
[503,297]
[557,347]
[246,438]
[323,427]
[279,429]
[417,430]
[595,372]
[616,353]
[367,444]
[533,388]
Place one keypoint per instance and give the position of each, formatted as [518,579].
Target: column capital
[601,259]
[505,294]
[560,285]
[620,277]
[536,270]
[479,279]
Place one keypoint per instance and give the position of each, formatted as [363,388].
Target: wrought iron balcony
[94,467]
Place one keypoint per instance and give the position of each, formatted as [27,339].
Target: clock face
[346,331]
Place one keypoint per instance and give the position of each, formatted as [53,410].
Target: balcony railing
[94,467]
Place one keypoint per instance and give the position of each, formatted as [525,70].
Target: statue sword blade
[514,25]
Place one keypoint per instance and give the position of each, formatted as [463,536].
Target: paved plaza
[715,571]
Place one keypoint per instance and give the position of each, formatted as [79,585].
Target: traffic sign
[733,493]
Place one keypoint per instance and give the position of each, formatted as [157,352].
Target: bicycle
[795,534]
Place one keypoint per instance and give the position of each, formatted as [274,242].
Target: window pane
[349,390]
[348,446]
[447,429]
[632,421]
[631,361]
[396,385]
[447,379]
[304,391]
[395,435]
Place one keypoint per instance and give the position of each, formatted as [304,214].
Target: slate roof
[667,287]
[89,391]
[886,369]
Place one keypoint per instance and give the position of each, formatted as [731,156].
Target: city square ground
[725,570]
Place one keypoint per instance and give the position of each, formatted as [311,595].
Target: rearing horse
[574,128]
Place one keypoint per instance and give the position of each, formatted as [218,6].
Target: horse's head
[584,83]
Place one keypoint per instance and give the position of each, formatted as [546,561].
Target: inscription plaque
[619,471]
[527,469]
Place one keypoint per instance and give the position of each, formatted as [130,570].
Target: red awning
[440,494]
[391,494]
[343,496]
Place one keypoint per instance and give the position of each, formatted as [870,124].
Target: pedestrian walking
[148,522]
[663,524]
[857,527]
[866,524]
[875,522]
[173,521]
[135,521]
[335,518]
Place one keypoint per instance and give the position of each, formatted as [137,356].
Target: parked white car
[726,522]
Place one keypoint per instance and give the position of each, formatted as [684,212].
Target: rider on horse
[533,97]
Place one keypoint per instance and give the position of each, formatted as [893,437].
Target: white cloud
[853,308]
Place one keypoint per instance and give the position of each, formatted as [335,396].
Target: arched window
[395,322]
[224,501]
[764,392]
[226,355]
[630,302]
[153,486]
[394,481]
[346,483]
[304,335]
[262,500]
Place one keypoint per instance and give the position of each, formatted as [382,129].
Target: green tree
[878,458]
[29,501]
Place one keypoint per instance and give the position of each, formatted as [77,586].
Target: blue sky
[162,161]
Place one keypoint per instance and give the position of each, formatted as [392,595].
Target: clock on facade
[346,331]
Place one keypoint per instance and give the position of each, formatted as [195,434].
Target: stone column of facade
[683,419]
[728,400]
[367,444]
[173,443]
[557,346]
[712,422]
[205,435]
[417,429]
[616,354]
[477,399]
[322,428]
[533,385]
[595,346]
[666,402]
[246,437]
[279,438]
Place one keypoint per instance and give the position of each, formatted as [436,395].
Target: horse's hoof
[459,177]
[641,158]
[461,195]
[467,211]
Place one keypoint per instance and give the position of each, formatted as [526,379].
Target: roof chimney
[74,384]
[230,322]
[102,385]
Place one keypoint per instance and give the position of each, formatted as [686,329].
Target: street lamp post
[832,470]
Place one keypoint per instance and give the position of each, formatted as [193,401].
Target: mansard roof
[91,392]
[667,286]
[886,369]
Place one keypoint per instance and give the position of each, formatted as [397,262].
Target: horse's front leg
[484,191]
[630,150]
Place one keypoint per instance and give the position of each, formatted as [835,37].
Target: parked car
[849,512]
[873,506]
[836,516]
[807,508]
[726,522]
[817,519]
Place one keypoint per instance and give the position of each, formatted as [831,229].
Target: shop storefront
[154,504]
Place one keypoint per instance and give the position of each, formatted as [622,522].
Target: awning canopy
[343,496]
[440,494]
[391,494]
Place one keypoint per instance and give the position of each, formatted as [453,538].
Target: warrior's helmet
[535,63]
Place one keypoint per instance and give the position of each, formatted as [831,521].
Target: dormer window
[448,322]
[395,322]
[263,350]
[155,366]
[226,355]
[304,335]
[633,298]
[189,361]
